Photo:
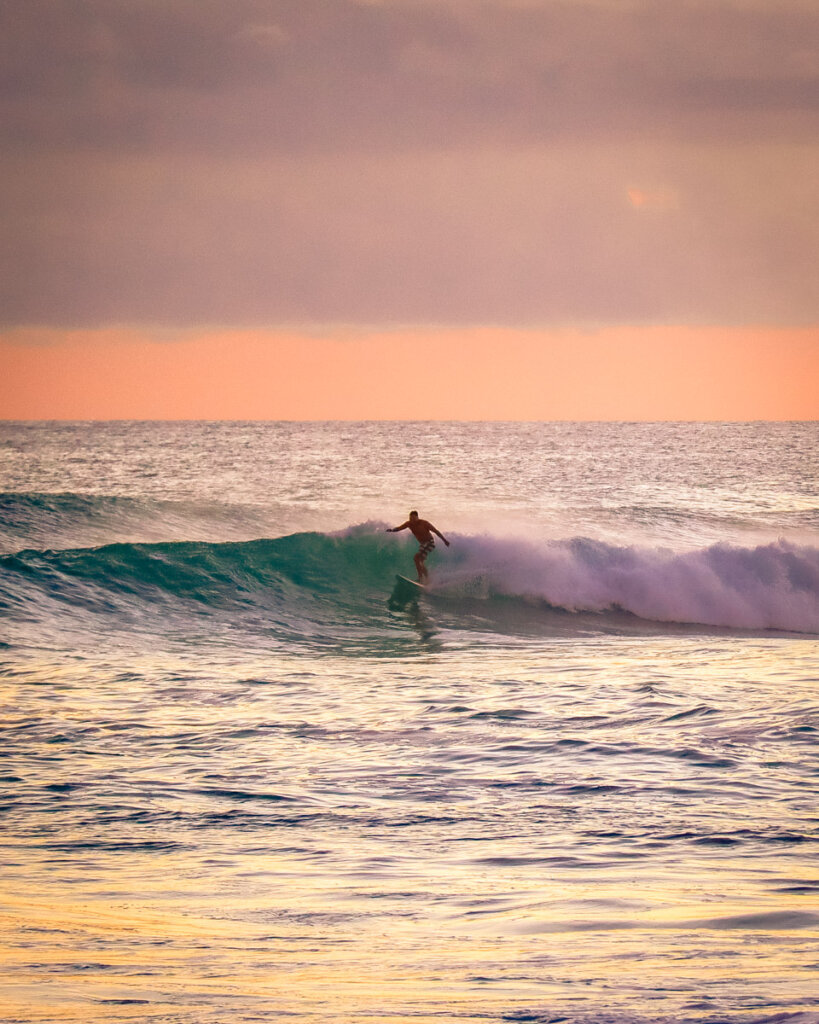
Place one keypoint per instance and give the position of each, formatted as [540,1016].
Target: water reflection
[613,825]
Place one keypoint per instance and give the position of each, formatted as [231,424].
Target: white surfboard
[405,579]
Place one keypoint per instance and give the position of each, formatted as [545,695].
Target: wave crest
[347,576]
[770,586]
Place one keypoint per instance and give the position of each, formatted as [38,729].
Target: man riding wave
[422,531]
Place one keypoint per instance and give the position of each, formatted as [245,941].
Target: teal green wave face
[313,587]
[306,587]
[217,574]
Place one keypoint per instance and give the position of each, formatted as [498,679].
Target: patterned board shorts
[425,548]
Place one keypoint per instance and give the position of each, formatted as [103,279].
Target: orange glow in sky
[613,373]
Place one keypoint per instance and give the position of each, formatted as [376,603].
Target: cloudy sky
[406,169]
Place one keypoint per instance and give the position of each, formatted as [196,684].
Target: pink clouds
[273,162]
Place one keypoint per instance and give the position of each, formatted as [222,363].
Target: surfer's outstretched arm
[397,529]
[439,534]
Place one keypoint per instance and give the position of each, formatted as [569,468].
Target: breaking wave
[769,586]
[311,582]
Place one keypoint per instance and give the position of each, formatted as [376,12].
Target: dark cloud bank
[297,161]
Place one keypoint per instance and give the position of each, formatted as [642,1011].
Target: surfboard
[404,593]
[405,579]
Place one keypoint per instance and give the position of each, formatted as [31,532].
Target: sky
[472,209]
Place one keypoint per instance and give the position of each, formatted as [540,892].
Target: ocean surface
[244,778]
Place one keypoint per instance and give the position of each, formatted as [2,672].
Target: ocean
[243,779]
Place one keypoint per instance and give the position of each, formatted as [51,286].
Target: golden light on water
[469,921]
[184,931]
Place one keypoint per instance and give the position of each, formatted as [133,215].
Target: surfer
[422,531]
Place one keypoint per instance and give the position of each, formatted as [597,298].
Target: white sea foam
[770,586]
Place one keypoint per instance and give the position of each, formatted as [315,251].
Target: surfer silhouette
[422,531]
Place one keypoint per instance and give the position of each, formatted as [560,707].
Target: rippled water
[576,781]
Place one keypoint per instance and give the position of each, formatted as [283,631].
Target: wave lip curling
[770,586]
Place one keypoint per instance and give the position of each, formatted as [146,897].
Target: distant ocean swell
[310,578]
[32,519]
